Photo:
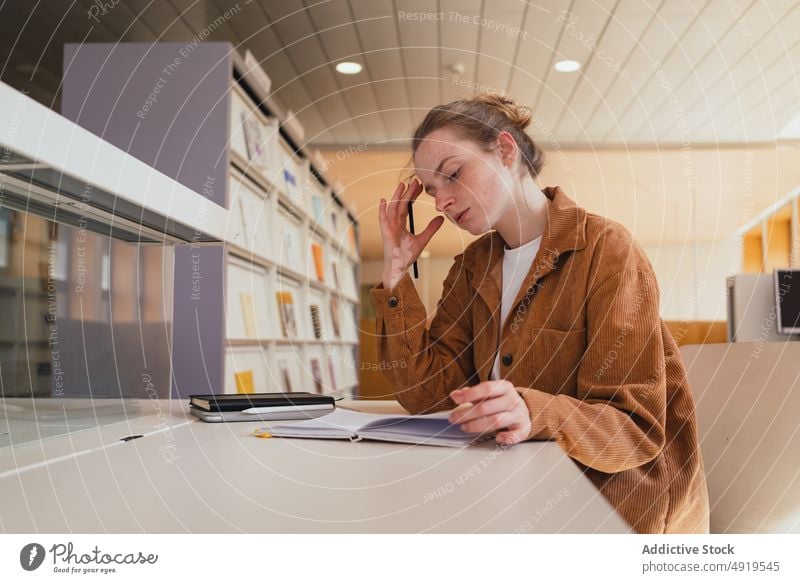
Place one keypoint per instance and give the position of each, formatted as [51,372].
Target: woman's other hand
[400,247]
[496,406]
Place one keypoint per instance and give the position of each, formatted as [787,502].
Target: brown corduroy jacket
[586,348]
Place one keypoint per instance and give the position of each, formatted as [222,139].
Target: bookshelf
[273,308]
[772,239]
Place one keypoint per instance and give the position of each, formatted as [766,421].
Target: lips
[461,215]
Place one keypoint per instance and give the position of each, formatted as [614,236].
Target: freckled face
[470,185]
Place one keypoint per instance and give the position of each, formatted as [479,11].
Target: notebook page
[340,422]
[433,426]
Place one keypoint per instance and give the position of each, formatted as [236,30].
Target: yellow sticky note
[244,382]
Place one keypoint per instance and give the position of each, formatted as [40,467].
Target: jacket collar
[565,231]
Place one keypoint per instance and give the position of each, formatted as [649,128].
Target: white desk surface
[185,476]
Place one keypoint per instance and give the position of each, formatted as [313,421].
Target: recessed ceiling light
[567,66]
[348,68]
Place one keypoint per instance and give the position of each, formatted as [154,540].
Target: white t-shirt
[516,265]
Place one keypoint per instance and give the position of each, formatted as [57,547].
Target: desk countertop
[189,476]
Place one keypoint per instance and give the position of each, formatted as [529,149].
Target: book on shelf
[354,271]
[289,248]
[334,223]
[334,304]
[351,239]
[286,377]
[316,322]
[287,315]
[319,263]
[290,180]
[254,140]
[354,329]
[260,406]
[244,381]
[318,205]
[335,271]
[316,375]
[248,313]
[433,429]
[332,372]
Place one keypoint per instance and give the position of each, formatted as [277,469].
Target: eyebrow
[439,169]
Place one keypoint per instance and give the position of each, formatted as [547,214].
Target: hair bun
[519,115]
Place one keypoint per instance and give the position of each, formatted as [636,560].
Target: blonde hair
[481,119]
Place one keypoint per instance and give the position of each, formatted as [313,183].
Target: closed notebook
[432,429]
[232,402]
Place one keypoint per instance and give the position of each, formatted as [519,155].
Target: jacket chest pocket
[549,359]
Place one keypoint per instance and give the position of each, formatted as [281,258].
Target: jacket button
[392,302]
[507,359]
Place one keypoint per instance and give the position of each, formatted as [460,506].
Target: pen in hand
[411,229]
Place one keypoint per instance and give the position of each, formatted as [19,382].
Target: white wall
[432,272]
[691,277]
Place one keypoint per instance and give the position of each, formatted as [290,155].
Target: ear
[507,148]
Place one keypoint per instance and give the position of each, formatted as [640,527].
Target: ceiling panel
[162,18]
[724,68]
[500,39]
[375,22]
[458,42]
[340,41]
[538,40]
[671,21]
[714,22]
[626,26]
[419,39]
[583,27]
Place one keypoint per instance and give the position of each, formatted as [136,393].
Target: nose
[443,201]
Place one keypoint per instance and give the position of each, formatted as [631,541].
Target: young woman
[548,326]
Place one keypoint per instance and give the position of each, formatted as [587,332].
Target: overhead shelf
[54,168]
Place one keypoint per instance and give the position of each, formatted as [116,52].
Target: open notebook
[433,429]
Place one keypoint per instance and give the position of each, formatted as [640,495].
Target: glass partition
[82,315]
